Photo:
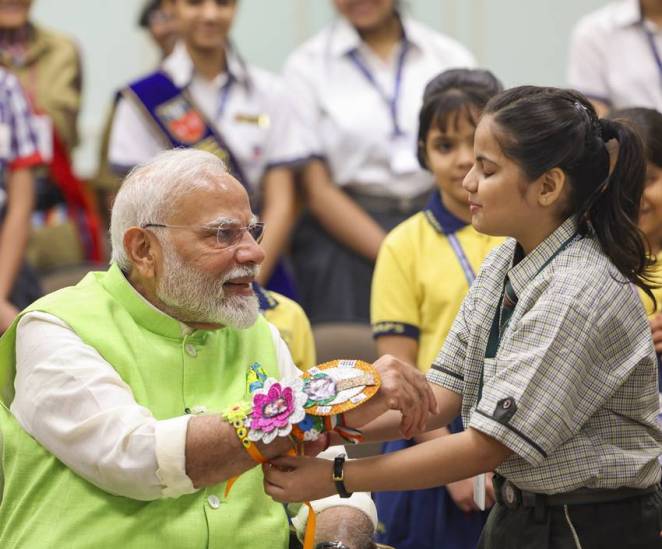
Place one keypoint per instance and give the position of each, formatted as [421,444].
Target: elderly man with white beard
[111,389]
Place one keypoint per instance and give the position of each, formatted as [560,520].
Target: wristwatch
[331,545]
[338,476]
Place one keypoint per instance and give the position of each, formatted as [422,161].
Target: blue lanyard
[653,46]
[223,100]
[469,273]
[392,101]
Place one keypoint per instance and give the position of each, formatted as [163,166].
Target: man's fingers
[285,462]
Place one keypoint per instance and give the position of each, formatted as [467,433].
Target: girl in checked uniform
[550,359]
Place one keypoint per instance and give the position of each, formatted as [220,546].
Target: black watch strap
[338,476]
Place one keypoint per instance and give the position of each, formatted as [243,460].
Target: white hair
[152,189]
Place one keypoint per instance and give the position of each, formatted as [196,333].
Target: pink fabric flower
[276,407]
[272,411]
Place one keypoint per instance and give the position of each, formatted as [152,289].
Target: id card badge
[5,141]
[402,151]
[43,126]
[479,491]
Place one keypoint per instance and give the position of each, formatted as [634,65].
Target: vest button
[191,350]
[214,502]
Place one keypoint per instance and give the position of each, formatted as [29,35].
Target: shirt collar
[32,45]
[179,66]
[344,37]
[627,13]
[440,218]
[525,270]
[265,298]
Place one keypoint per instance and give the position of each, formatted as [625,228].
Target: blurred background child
[358,85]
[18,155]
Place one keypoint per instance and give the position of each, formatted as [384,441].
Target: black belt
[407,205]
[509,495]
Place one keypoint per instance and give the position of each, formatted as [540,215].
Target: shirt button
[191,350]
[507,403]
[214,502]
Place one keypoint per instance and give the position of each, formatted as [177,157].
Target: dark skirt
[333,282]
[633,523]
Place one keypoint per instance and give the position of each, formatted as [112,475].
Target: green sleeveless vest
[45,504]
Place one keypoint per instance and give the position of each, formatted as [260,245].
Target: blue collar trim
[265,299]
[441,219]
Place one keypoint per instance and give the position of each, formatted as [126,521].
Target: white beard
[193,296]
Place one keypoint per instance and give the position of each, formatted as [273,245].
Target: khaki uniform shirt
[573,388]
[50,72]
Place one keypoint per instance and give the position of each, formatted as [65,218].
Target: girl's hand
[462,494]
[406,389]
[295,479]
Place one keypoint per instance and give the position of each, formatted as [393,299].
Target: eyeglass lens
[228,236]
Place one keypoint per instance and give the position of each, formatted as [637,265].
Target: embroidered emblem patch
[182,121]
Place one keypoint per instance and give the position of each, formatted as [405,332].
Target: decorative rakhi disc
[339,386]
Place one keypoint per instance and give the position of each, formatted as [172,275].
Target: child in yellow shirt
[424,269]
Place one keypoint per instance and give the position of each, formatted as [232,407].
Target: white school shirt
[612,60]
[88,418]
[347,120]
[253,92]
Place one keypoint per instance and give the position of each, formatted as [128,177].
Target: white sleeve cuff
[170,437]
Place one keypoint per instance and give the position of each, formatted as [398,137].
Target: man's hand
[7,314]
[404,388]
[656,329]
[313,447]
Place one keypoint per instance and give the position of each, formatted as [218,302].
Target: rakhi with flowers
[302,408]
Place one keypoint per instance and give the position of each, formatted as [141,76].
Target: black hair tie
[608,130]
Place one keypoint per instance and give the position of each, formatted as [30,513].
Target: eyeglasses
[227,235]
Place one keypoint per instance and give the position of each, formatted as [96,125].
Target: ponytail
[613,211]
[544,128]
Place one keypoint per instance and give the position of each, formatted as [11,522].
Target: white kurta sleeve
[77,406]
